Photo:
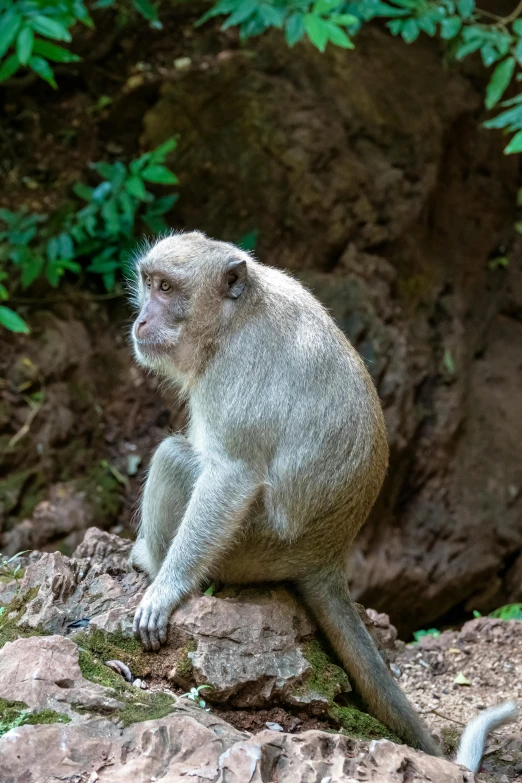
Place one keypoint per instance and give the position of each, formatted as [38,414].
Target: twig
[35,407]
[446,717]
[513,15]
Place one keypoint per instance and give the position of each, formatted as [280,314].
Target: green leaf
[317,30]
[50,28]
[8,67]
[325,6]
[32,270]
[135,187]
[428,632]
[12,321]
[338,36]
[24,44]
[9,25]
[158,155]
[210,590]
[499,81]
[83,191]
[395,26]
[346,20]
[511,119]
[410,31]
[160,175]
[271,16]
[466,8]
[148,11]
[65,246]
[518,51]
[450,27]
[515,145]
[448,362]
[43,69]
[517,26]
[245,9]
[468,48]
[294,29]
[508,612]
[461,679]
[4,293]
[427,24]
[489,55]
[54,53]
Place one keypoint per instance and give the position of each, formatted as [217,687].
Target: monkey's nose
[139,327]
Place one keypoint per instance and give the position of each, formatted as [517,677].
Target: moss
[146,706]
[11,615]
[94,669]
[325,677]
[115,646]
[450,740]
[139,705]
[359,724]
[15,713]
[330,680]
[184,665]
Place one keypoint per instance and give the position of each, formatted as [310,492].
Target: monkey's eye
[165,286]
[148,282]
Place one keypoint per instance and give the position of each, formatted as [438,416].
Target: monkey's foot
[152,616]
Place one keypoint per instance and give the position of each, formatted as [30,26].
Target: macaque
[284,455]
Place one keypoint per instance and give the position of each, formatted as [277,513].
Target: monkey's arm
[221,497]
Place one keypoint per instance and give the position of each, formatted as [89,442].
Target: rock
[66,512]
[44,673]
[106,548]
[200,748]
[254,649]
[70,590]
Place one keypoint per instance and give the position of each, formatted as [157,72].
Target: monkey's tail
[473,738]
[332,604]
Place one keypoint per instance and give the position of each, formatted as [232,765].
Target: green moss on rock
[138,705]
[15,713]
[11,614]
[360,725]
[325,677]
[115,646]
[329,680]
[184,664]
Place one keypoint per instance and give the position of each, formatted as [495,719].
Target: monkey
[283,459]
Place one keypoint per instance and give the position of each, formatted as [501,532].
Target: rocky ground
[81,702]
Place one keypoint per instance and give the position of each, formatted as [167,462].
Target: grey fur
[285,453]
[473,738]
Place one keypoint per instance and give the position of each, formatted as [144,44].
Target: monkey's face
[185,285]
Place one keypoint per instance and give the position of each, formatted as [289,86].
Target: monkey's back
[301,410]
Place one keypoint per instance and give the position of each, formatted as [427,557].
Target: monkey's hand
[152,615]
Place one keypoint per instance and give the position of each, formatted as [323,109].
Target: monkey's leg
[328,596]
[173,471]
[222,495]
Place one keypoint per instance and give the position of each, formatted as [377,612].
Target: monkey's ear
[236,278]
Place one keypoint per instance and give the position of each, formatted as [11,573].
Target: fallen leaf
[461,679]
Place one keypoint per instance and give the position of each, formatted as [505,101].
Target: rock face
[256,649]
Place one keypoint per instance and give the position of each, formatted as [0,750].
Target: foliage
[429,632]
[508,612]
[8,569]
[465,28]
[102,230]
[28,29]
[194,695]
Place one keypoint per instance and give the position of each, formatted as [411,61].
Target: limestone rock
[44,673]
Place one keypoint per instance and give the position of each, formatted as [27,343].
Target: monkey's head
[188,289]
